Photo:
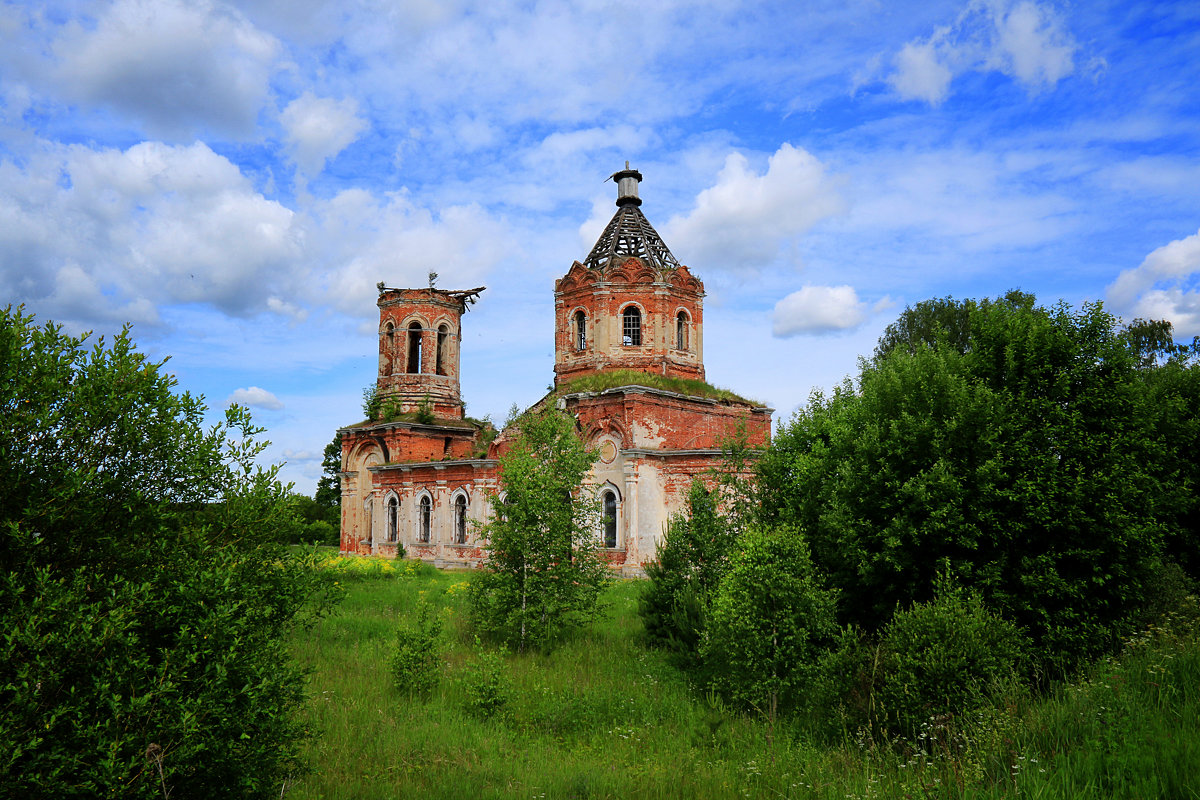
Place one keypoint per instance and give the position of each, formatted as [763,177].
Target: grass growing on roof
[600,381]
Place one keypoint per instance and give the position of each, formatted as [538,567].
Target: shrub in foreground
[145,595]
[770,621]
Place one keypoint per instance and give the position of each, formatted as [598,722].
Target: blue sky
[234,178]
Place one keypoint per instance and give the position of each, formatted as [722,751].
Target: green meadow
[604,716]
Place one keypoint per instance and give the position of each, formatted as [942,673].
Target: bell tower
[419,335]
[630,305]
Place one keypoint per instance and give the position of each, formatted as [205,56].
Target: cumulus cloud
[318,128]
[89,235]
[254,397]
[393,239]
[919,74]
[820,309]
[744,219]
[176,66]
[1024,40]
[1166,285]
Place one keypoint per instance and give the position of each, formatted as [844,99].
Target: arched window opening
[631,327]
[425,520]
[393,516]
[414,347]
[442,337]
[387,363]
[460,520]
[609,518]
[580,330]
[681,331]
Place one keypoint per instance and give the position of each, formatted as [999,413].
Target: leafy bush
[416,663]
[145,596]
[770,620]
[487,686]
[692,557]
[949,656]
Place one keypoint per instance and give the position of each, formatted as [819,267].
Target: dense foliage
[329,485]
[543,571]
[770,620]
[692,557]
[1003,494]
[1023,461]
[145,598]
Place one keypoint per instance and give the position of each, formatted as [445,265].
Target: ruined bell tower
[419,335]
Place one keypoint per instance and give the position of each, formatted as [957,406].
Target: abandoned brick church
[628,366]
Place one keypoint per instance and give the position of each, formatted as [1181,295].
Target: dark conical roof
[629,233]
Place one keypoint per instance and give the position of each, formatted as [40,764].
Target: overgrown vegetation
[969,573]
[984,511]
[543,572]
[602,381]
[602,716]
[145,593]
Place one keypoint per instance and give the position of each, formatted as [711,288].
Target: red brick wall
[603,297]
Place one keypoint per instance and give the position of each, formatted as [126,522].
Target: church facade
[628,366]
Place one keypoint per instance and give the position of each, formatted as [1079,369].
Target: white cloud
[1024,40]
[1166,285]
[368,239]
[176,66]
[254,397]
[1031,45]
[919,75]
[318,128]
[818,309]
[89,235]
[745,218]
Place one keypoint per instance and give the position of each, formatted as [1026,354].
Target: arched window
[425,519]
[460,519]
[631,326]
[414,347]
[608,514]
[580,330]
[442,338]
[393,516]
[387,357]
[681,331]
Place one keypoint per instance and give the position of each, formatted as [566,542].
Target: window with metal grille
[631,327]
[681,331]
[609,515]
[393,514]
[460,520]
[425,519]
[580,331]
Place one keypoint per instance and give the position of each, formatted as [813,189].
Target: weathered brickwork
[420,481]
[591,334]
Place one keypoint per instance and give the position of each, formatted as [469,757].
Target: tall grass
[603,717]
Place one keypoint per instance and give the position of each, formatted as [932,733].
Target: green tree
[145,597]
[329,485]
[1022,462]
[1173,391]
[543,571]
[691,559]
[769,623]
[942,320]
